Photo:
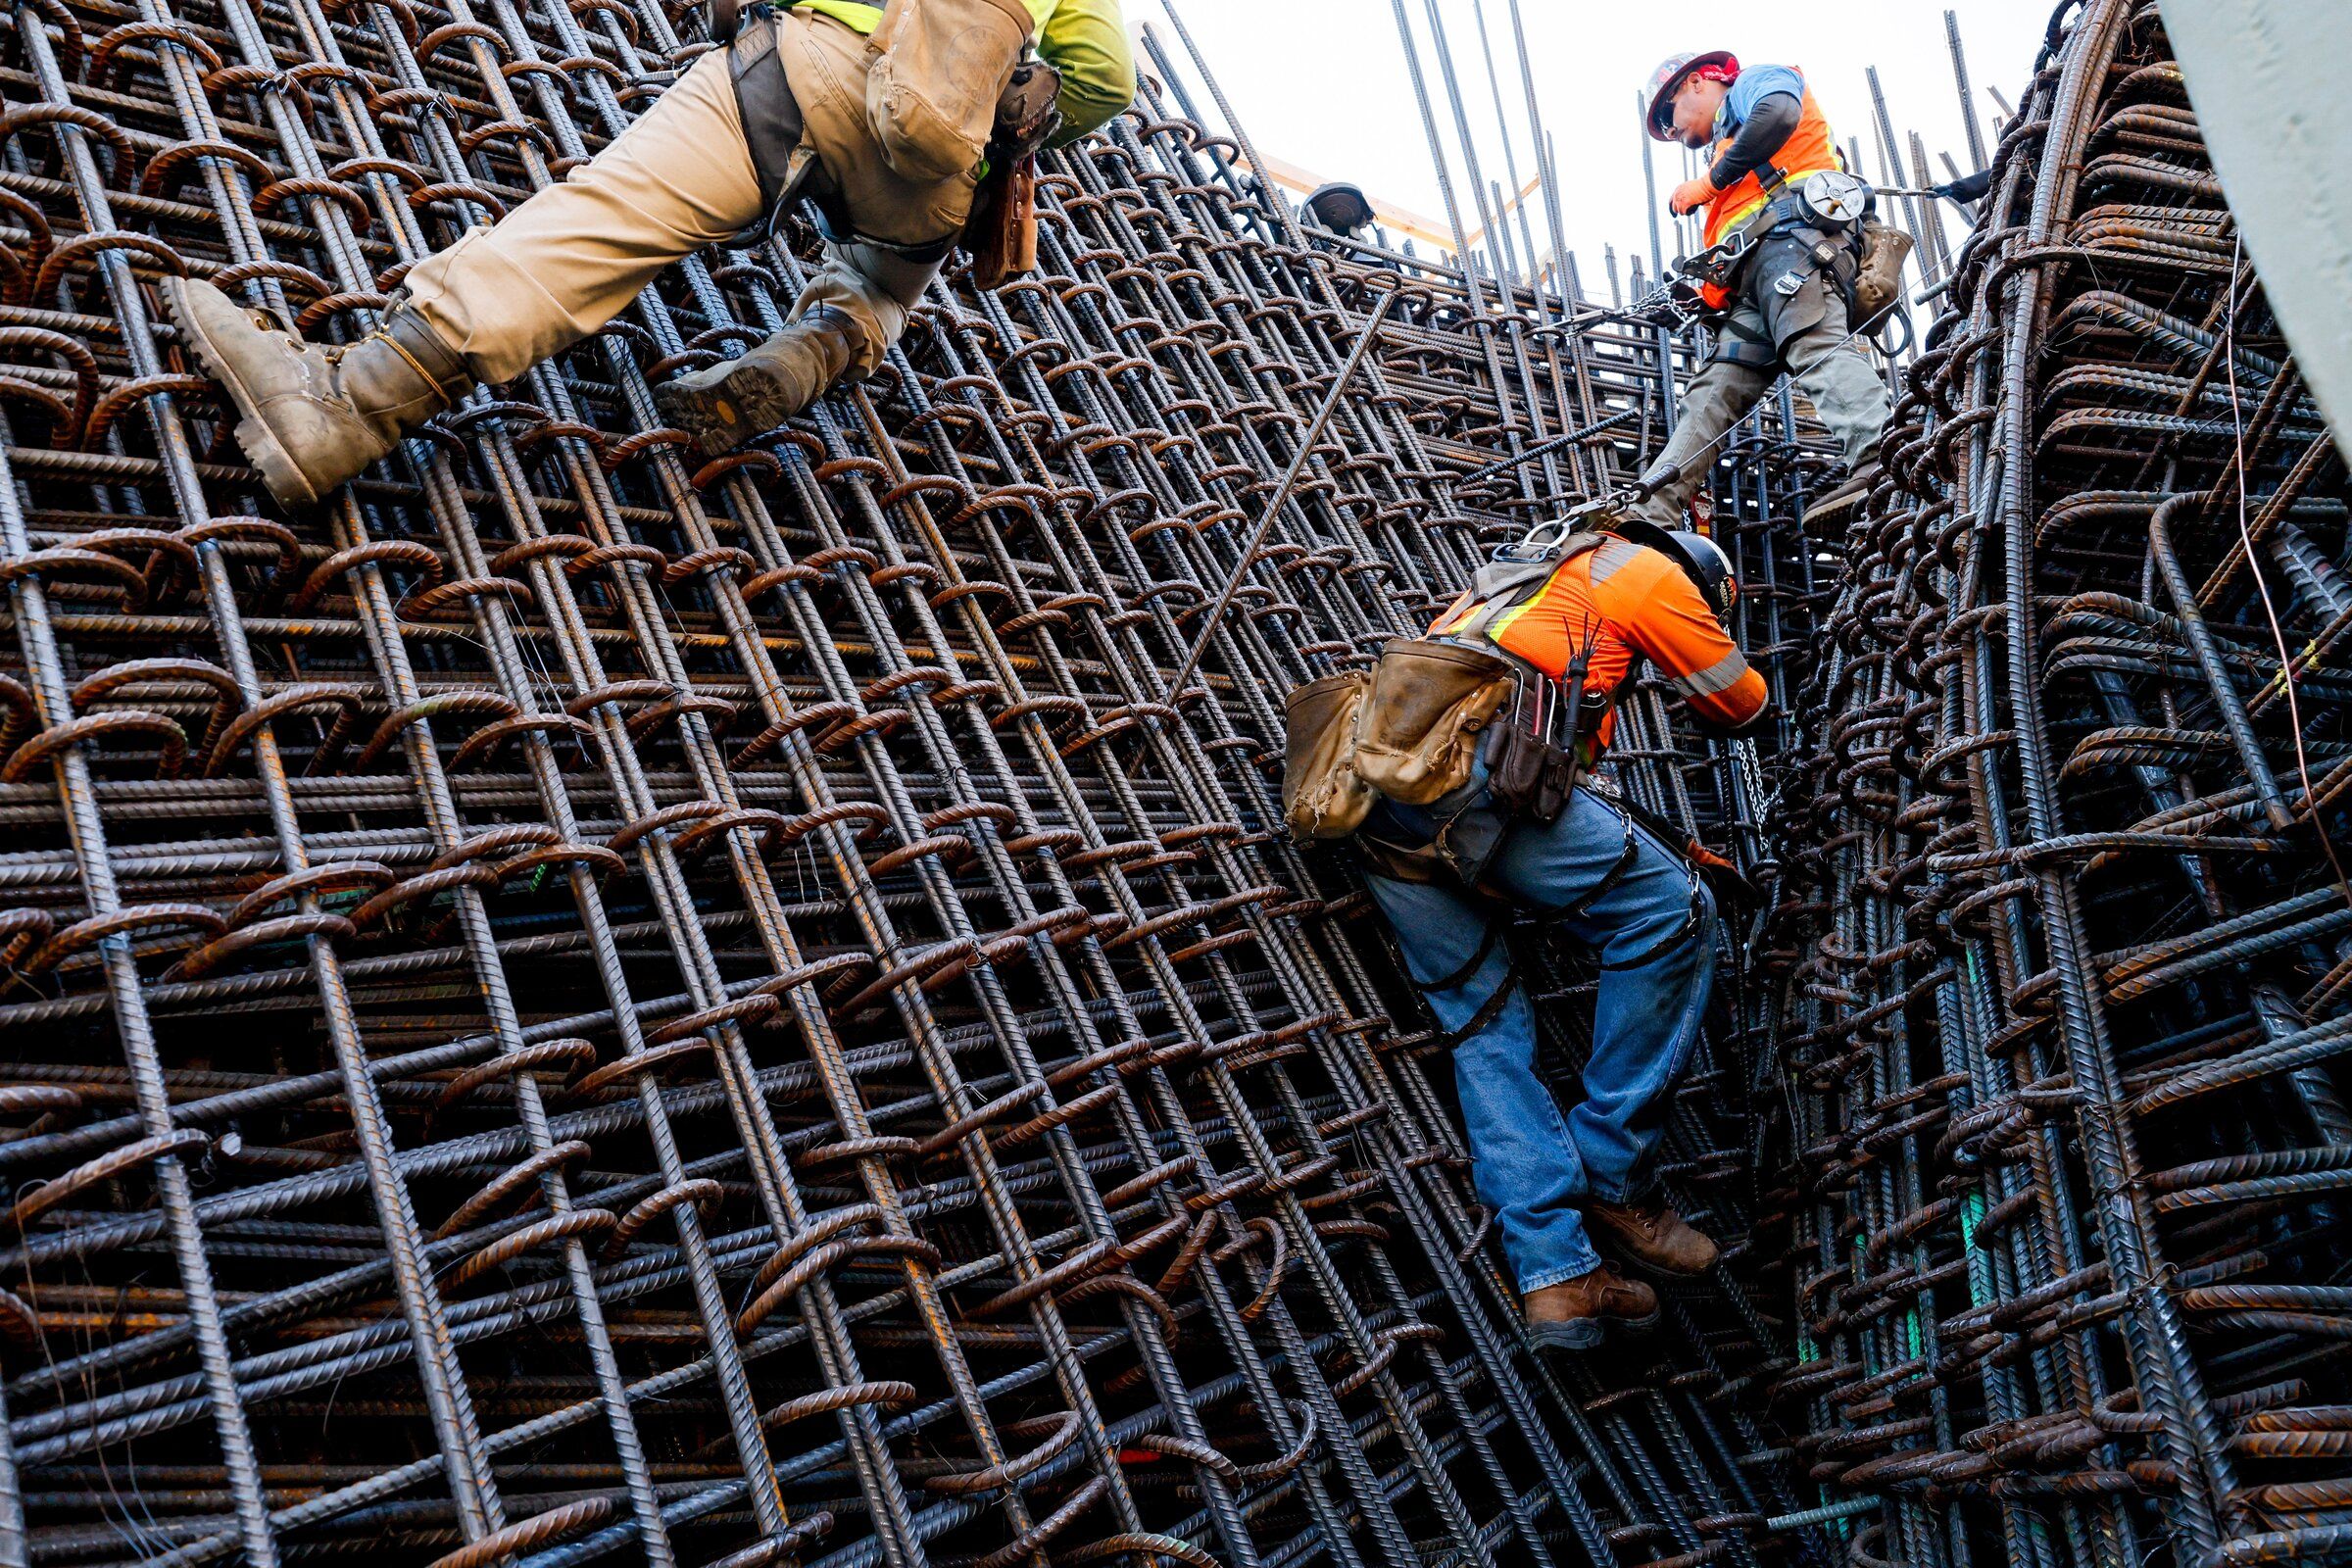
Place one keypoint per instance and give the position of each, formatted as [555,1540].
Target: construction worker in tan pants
[881,117]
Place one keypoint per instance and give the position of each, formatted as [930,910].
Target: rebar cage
[777,1035]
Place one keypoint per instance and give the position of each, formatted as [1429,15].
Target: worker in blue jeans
[1450,876]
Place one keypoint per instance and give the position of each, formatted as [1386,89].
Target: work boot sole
[280,473]
[730,411]
[1838,504]
[1586,1333]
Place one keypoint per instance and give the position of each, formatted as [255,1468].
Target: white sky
[1322,85]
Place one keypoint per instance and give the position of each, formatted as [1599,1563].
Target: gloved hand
[1690,195]
[1967,188]
[1027,112]
[1732,892]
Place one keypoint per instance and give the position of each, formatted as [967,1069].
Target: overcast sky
[1323,84]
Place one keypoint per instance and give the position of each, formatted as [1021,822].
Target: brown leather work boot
[727,404]
[1575,1315]
[1651,1235]
[315,414]
[1843,505]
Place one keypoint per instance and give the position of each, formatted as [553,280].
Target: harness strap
[1509,584]
[1484,616]
[1691,918]
[1734,328]
[1609,878]
[1488,1011]
[771,115]
[1743,345]
[1486,946]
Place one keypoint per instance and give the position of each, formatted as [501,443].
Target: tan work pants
[568,260]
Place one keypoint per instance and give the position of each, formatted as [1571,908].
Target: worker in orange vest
[885,119]
[1452,876]
[1789,299]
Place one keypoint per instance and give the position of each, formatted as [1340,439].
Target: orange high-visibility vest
[1810,148]
[1617,603]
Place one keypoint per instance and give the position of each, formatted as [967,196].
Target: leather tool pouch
[938,68]
[1879,281]
[1529,778]
[1416,736]
[1002,230]
[1322,797]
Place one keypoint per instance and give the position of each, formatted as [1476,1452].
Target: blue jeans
[1611,885]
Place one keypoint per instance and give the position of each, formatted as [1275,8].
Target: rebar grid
[778,1037]
[2062,943]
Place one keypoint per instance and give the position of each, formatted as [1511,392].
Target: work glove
[1690,195]
[1968,188]
[1027,112]
[1732,892]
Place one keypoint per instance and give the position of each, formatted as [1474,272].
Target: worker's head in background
[1687,92]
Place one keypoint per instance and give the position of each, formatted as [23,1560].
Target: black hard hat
[1703,560]
[1340,207]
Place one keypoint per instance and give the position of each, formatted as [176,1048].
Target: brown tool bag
[1432,744]
[1408,730]
[1417,734]
[1322,797]
[1879,281]
[1002,231]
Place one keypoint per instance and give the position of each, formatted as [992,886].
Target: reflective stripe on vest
[1810,149]
[1483,620]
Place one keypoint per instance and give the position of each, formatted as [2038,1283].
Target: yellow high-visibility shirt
[1086,40]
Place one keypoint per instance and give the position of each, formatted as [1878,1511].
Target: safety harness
[773,130]
[1550,740]
[1515,575]
[1718,270]
[770,114]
